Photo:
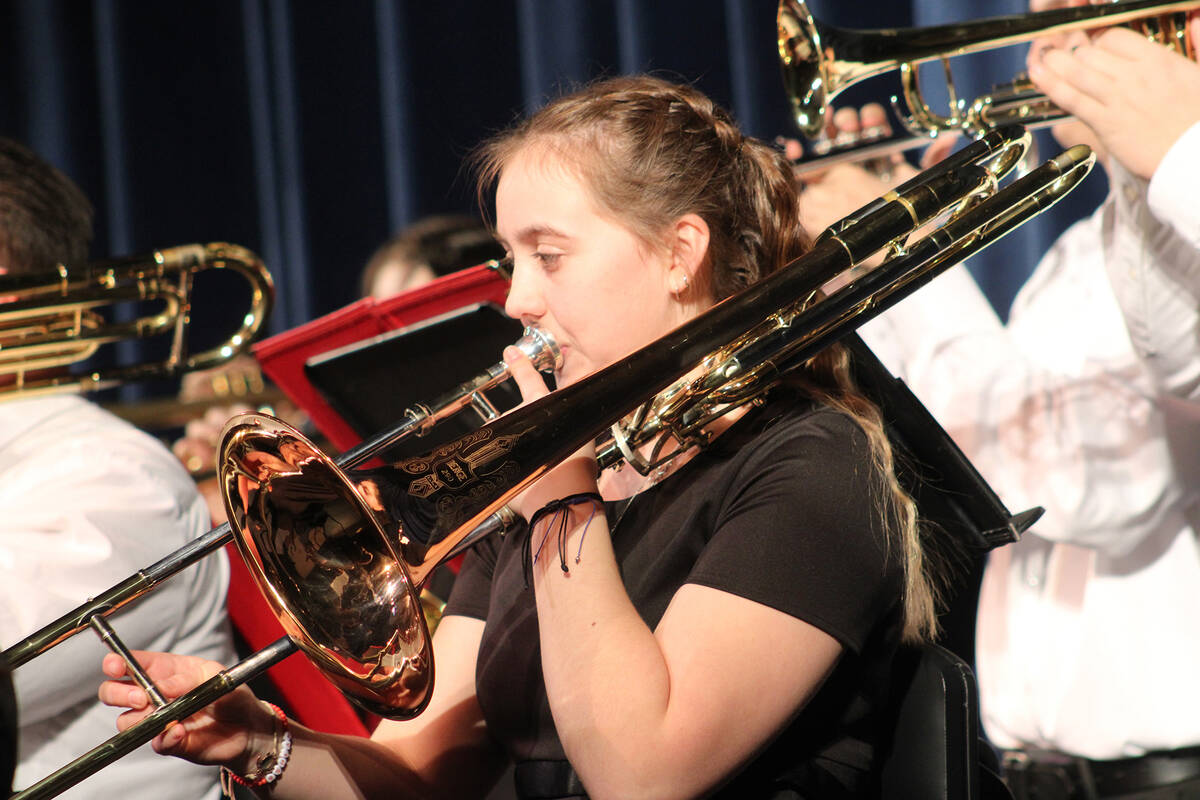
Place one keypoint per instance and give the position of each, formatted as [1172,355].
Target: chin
[572,373]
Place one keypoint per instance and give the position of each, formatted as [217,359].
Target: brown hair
[650,151]
[44,218]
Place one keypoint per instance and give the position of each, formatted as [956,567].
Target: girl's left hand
[575,475]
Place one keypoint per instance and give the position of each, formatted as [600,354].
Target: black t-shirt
[783,509]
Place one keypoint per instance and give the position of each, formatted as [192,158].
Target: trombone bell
[321,549]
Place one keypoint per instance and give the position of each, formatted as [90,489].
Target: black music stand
[963,516]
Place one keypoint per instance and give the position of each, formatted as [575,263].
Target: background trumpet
[820,60]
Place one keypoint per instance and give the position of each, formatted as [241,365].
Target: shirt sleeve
[1054,409]
[472,590]
[802,531]
[1151,238]
[1172,189]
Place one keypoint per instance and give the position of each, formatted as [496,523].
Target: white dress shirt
[88,501]
[1089,628]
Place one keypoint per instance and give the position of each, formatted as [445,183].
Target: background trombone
[49,323]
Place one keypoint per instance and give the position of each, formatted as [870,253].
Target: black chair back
[934,748]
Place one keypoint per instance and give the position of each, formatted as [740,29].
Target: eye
[548,260]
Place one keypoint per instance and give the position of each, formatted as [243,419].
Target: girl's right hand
[228,732]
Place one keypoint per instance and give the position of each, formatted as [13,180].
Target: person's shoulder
[791,434]
[789,417]
[90,420]
[73,430]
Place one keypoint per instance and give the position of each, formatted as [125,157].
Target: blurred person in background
[88,500]
[1085,402]
[429,248]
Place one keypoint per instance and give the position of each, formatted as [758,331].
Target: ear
[689,252]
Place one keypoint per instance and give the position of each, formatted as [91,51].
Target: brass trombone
[48,322]
[820,60]
[341,555]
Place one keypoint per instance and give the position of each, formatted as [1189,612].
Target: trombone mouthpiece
[539,347]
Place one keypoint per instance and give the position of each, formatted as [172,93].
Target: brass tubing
[818,60]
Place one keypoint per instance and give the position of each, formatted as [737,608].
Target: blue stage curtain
[309,131]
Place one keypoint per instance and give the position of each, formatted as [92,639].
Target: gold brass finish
[305,536]
[819,61]
[48,322]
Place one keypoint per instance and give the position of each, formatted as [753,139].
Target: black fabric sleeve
[802,530]
[473,586]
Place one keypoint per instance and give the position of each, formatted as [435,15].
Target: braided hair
[651,151]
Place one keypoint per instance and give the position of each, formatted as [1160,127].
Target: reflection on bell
[334,580]
[432,606]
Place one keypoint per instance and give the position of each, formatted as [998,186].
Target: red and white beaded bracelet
[270,767]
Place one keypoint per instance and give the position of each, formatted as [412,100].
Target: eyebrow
[532,232]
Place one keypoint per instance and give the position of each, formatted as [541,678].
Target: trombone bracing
[50,321]
[341,555]
[820,60]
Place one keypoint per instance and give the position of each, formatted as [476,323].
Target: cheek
[622,307]
[634,323]
[602,330]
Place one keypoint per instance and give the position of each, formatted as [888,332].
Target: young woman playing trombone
[723,627]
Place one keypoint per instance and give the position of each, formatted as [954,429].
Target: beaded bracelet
[557,511]
[281,751]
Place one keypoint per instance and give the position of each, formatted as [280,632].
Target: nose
[525,301]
